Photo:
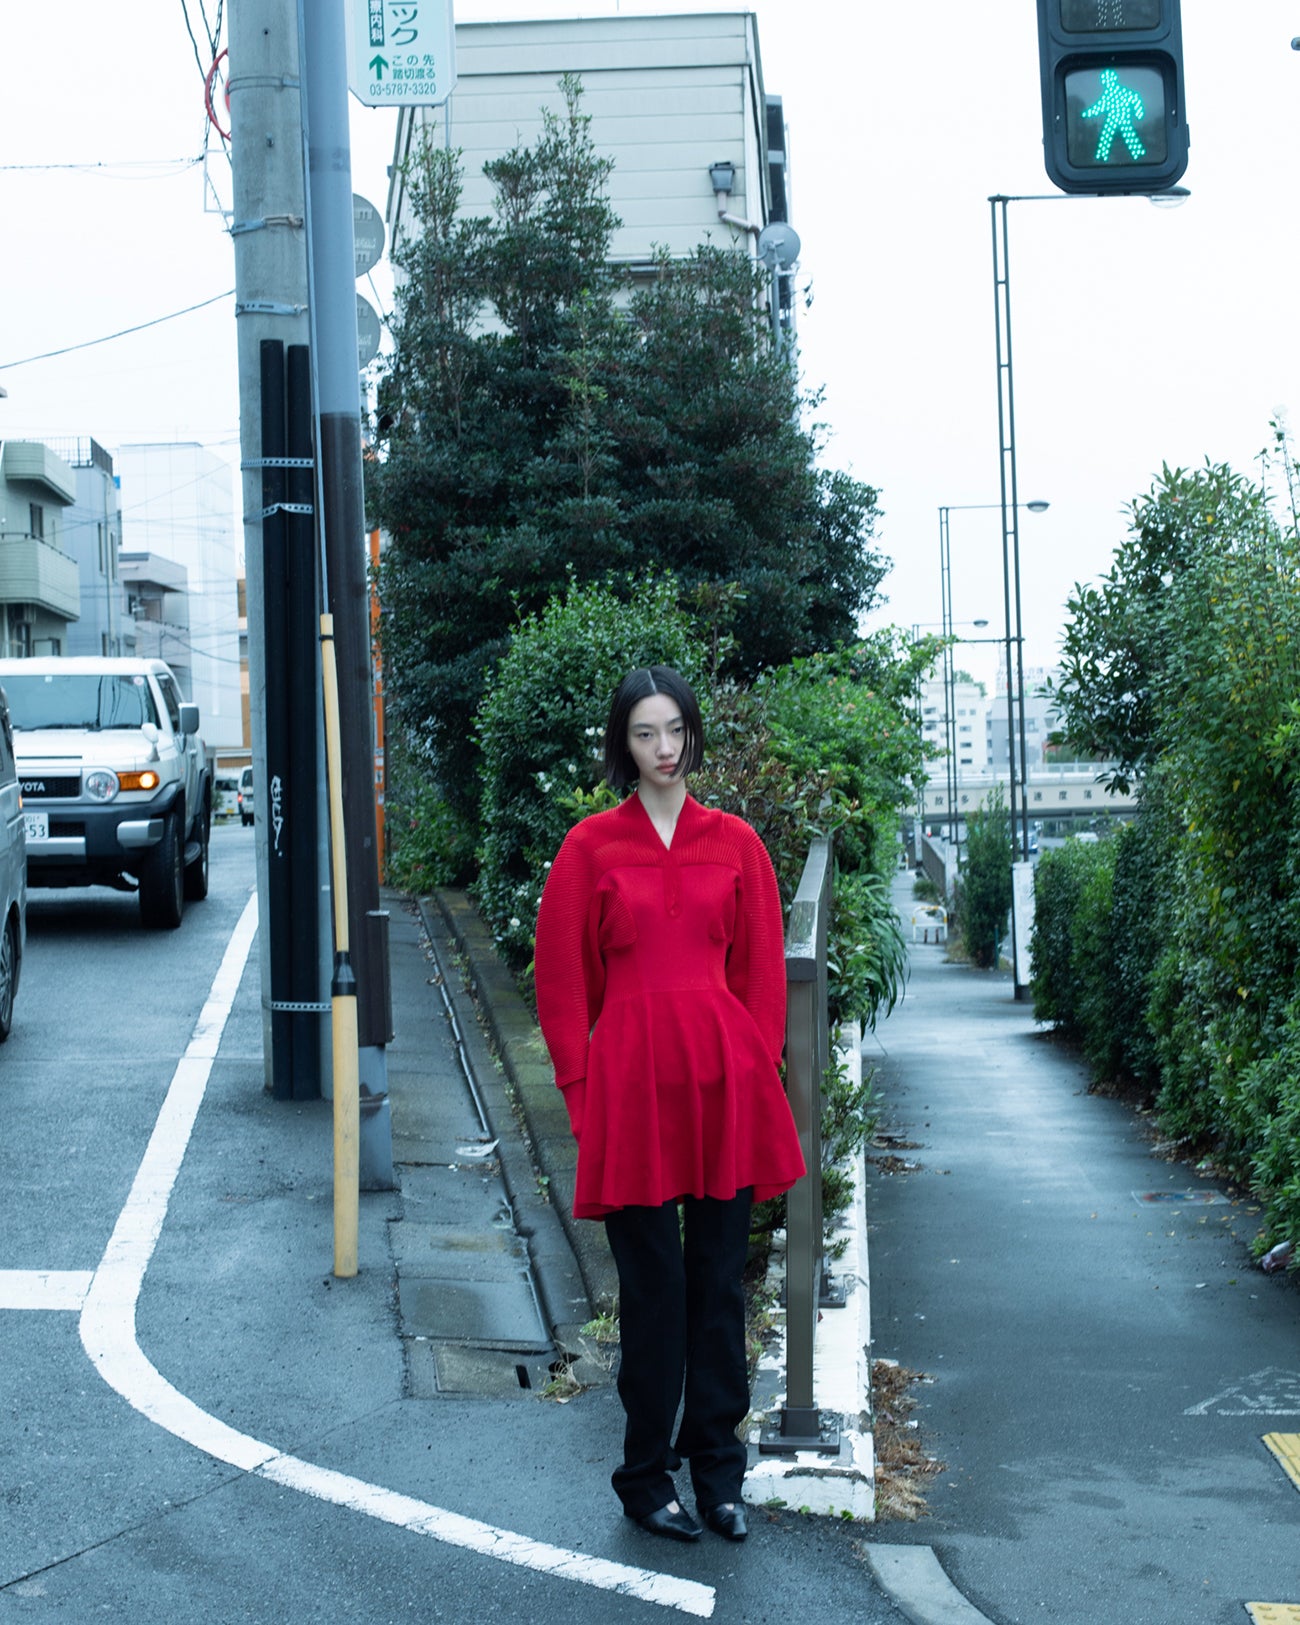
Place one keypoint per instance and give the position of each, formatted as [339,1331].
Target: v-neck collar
[654,828]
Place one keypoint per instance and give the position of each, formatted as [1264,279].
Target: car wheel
[8,976]
[196,873]
[162,880]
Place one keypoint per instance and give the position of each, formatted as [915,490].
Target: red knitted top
[660,975]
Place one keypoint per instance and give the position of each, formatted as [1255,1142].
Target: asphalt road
[129,1419]
[1104,1360]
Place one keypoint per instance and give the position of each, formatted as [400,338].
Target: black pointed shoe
[727,1520]
[677,1525]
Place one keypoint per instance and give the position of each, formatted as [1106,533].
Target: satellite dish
[778,244]
[367,332]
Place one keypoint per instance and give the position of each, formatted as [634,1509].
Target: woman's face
[656,738]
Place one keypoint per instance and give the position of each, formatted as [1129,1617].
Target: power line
[104,164]
[121,334]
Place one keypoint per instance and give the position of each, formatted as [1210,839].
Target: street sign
[367,333]
[367,235]
[402,53]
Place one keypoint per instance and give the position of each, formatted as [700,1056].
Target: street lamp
[1037,505]
[951,743]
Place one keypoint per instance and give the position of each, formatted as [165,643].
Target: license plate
[38,825]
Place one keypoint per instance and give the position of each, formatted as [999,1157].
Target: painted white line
[44,1289]
[109,1336]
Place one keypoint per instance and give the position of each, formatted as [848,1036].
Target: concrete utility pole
[269,232]
[338,401]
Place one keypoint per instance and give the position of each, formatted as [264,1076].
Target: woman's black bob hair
[638,685]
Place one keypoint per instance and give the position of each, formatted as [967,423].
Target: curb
[916,1583]
[531,1082]
[845,1484]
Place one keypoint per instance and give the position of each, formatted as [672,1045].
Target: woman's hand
[575,1098]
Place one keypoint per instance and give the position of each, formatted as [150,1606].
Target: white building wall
[667,96]
[178,501]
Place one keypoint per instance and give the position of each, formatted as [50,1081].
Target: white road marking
[44,1289]
[1269,1392]
[108,1334]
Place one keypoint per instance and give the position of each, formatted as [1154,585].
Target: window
[36,519]
[171,700]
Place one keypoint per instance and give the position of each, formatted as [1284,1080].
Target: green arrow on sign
[377,66]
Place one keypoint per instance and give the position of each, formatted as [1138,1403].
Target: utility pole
[338,402]
[271,302]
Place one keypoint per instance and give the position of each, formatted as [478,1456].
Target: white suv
[13,876]
[116,787]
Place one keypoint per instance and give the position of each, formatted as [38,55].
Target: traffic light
[1112,78]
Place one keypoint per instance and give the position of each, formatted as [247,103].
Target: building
[671,98]
[178,505]
[970,715]
[40,591]
[157,595]
[1040,719]
[92,533]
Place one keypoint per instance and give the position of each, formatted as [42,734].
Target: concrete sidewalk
[1101,1357]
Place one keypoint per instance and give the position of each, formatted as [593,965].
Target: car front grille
[44,786]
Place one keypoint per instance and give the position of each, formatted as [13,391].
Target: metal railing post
[799,1425]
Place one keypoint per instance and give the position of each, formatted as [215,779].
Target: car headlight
[102,784]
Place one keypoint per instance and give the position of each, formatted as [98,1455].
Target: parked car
[246,796]
[13,874]
[225,796]
[115,782]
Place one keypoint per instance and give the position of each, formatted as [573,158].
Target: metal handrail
[800,1426]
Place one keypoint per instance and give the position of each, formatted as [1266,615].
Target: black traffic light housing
[1112,80]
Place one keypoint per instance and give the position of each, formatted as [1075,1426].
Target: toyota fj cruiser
[115,783]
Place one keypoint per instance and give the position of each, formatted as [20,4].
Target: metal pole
[338,400]
[270,302]
[801,1425]
[1006,475]
[949,676]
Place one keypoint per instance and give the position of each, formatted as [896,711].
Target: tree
[541,425]
[986,879]
[1122,659]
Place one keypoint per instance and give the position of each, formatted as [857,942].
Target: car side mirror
[189,718]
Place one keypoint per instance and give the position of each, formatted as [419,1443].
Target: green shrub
[1072,892]
[541,732]
[429,843]
[985,891]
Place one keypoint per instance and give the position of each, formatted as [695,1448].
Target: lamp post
[1012,635]
[1010,504]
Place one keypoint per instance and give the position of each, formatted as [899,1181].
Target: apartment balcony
[34,572]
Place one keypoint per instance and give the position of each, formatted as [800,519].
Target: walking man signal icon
[1120,109]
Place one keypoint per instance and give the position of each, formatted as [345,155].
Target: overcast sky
[1142,335]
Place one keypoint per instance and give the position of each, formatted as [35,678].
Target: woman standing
[660,976]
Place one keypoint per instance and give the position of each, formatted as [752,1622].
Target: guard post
[799,1425]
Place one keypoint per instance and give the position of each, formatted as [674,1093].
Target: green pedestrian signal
[1112,84]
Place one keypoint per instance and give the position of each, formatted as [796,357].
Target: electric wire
[107,338]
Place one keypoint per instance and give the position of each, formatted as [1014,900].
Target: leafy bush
[1184,665]
[985,893]
[541,732]
[429,843]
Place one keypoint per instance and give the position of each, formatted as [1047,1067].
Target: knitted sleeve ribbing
[568,975]
[756,964]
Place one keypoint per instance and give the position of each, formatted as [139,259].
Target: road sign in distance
[1112,89]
